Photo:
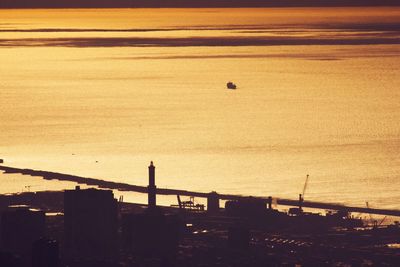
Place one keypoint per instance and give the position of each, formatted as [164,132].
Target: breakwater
[164,191]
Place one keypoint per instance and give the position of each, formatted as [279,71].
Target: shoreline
[164,191]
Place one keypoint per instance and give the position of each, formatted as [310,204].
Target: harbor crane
[299,210]
[189,205]
[372,221]
[301,196]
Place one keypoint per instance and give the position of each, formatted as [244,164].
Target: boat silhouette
[231,85]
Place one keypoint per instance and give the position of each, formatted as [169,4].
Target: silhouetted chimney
[152,187]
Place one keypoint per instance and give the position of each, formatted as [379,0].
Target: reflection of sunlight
[133,96]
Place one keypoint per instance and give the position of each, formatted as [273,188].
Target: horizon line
[66,4]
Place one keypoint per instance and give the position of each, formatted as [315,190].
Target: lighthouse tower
[151,189]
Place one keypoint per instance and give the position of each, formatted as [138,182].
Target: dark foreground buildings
[21,226]
[45,253]
[23,241]
[97,231]
[90,224]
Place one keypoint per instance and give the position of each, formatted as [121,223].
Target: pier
[164,191]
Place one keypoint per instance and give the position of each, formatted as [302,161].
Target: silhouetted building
[213,202]
[94,263]
[152,189]
[247,207]
[45,253]
[90,221]
[20,227]
[9,259]
[151,234]
[238,237]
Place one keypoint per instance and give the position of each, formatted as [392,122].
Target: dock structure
[153,190]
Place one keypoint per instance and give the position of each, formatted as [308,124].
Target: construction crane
[299,210]
[374,222]
[301,196]
[371,220]
[179,201]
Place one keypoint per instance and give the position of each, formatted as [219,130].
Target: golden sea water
[100,93]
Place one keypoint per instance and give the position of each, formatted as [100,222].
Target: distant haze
[193,3]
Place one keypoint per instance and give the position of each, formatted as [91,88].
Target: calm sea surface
[100,93]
